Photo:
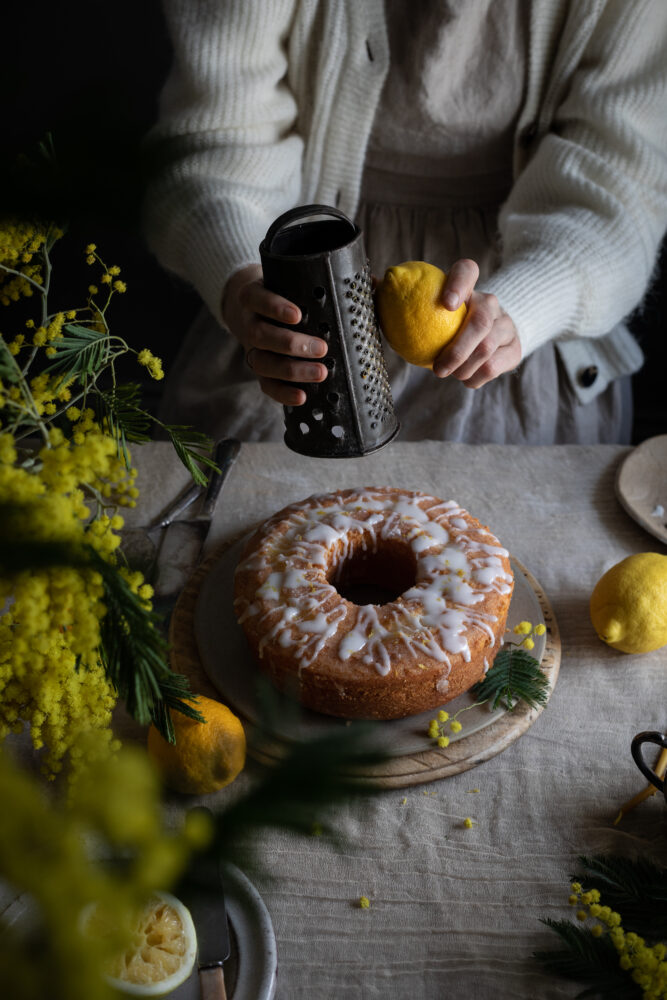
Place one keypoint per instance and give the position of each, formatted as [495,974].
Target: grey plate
[231,668]
[250,971]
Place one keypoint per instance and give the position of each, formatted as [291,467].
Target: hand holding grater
[321,266]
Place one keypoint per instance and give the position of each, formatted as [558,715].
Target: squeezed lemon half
[162,951]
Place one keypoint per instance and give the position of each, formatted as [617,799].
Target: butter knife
[202,891]
[141,545]
[184,539]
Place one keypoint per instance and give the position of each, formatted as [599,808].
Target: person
[522,147]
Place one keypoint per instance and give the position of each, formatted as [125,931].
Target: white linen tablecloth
[454,912]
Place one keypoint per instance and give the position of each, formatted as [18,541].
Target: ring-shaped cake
[373,603]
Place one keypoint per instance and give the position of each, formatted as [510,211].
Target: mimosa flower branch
[76,635]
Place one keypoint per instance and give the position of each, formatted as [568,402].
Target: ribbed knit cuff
[215,242]
[539,293]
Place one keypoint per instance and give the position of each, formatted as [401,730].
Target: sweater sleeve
[225,159]
[581,228]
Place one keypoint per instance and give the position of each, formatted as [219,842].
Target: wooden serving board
[398,771]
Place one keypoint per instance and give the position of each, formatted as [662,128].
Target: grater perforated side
[321,266]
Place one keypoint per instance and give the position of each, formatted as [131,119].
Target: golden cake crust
[411,654]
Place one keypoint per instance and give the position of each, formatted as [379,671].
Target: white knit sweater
[270,104]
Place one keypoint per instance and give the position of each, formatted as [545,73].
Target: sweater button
[587,376]
[527,134]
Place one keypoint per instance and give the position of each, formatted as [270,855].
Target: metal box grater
[321,266]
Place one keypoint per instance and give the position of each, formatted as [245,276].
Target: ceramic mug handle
[660,740]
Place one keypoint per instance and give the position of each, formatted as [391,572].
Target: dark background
[89,73]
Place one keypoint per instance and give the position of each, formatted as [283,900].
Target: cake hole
[319,293]
[304,428]
[376,577]
[338,431]
[318,415]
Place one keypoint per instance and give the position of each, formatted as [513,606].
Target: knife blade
[183,540]
[141,545]
[202,891]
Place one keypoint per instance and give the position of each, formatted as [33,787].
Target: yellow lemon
[207,755]
[162,951]
[629,604]
[411,313]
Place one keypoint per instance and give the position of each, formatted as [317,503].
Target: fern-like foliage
[191,447]
[79,353]
[635,888]
[588,959]
[514,676]
[119,409]
[134,653]
[8,367]
[300,790]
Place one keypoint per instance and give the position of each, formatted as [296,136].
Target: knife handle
[212,983]
[225,455]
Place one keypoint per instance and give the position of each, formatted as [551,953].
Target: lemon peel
[628,606]
[412,315]
[162,952]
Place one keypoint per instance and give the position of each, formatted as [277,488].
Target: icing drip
[432,618]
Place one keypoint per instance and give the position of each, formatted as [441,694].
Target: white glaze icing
[454,571]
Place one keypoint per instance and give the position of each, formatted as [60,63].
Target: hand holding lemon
[412,313]
[438,321]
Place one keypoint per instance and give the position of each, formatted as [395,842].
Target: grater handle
[302,212]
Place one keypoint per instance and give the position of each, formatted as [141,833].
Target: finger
[282,392]
[506,359]
[258,299]
[266,364]
[483,312]
[280,340]
[461,280]
[500,335]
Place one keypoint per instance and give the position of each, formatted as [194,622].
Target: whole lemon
[411,313]
[629,604]
[207,755]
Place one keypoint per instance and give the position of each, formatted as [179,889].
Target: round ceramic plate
[250,971]
[641,485]
[233,671]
